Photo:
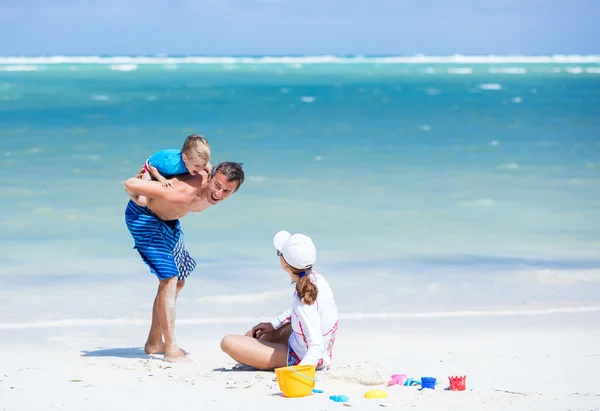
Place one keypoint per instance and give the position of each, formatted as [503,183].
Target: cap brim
[280,238]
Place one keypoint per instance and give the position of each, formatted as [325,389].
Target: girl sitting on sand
[305,333]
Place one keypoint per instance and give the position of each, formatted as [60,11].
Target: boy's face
[193,163]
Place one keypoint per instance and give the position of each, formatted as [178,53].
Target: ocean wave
[242,298]
[460,70]
[548,276]
[575,70]
[480,202]
[124,67]
[20,67]
[508,70]
[297,61]
[490,86]
[94,322]
[509,166]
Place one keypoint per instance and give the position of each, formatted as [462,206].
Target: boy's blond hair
[196,144]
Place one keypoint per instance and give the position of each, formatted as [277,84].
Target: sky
[298,27]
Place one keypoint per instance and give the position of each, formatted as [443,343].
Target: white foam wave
[574,70]
[297,61]
[516,100]
[100,97]
[20,67]
[490,86]
[257,179]
[508,70]
[449,314]
[307,99]
[460,70]
[593,70]
[480,202]
[124,67]
[510,166]
[93,322]
[242,298]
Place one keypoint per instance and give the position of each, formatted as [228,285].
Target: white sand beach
[517,362]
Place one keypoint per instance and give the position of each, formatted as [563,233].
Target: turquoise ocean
[428,184]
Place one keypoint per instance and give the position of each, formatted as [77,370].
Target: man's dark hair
[231,170]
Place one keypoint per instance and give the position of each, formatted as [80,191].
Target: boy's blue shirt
[168,162]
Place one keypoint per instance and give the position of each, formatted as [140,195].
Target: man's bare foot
[154,348]
[176,355]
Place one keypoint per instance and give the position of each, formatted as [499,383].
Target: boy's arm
[154,171]
[181,195]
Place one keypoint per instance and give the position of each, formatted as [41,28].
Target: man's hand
[260,329]
[167,183]
[140,173]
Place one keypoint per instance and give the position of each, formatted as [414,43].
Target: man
[158,238]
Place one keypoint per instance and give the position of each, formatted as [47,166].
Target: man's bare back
[189,194]
[186,197]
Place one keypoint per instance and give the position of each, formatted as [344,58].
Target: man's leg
[180,284]
[155,343]
[167,294]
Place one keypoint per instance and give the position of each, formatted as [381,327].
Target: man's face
[219,188]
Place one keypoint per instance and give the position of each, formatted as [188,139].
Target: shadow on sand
[238,368]
[132,352]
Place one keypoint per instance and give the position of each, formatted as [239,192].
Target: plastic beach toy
[376,394]
[458,383]
[339,398]
[411,381]
[296,381]
[428,382]
[397,379]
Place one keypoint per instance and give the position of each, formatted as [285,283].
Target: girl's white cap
[298,249]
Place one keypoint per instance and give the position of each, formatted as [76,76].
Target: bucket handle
[304,375]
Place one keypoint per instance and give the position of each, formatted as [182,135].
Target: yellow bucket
[296,381]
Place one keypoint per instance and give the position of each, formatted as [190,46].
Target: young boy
[193,158]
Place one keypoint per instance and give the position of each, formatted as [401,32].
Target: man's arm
[182,194]
[139,200]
